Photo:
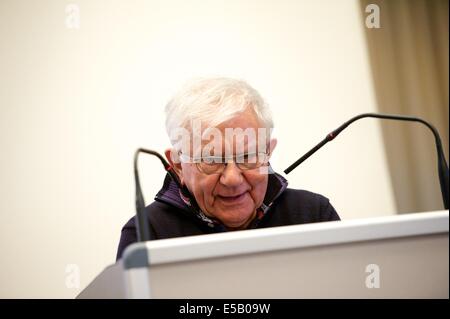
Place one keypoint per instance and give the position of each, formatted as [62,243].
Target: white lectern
[402,256]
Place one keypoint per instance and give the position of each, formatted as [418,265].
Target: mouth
[232,199]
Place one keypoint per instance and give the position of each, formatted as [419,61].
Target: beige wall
[409,58]
[76,103]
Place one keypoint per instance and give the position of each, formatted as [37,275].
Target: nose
[232,175]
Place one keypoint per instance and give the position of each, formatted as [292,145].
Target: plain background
[76,103]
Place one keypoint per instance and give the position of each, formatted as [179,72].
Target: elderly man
[221,145]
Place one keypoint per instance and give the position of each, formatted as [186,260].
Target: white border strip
[296,236]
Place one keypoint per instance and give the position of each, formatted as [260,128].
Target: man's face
[233,195]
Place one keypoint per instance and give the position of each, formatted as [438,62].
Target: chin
[236,221]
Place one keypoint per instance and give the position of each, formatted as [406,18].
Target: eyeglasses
[216,165]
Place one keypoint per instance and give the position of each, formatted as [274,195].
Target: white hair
[214,101]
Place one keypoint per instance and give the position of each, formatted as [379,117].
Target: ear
[174,161]
[272,145]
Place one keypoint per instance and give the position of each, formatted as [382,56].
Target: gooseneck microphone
[442,164]
[143,230]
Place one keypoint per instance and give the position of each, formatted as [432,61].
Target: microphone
[442,164]
[143,230]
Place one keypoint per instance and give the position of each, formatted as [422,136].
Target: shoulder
[300,197]
[128,233]
[165,221]
[302,206]
[160,216]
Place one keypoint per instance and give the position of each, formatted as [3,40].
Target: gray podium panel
[403,256]
[109,284]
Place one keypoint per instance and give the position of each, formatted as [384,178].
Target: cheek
[259,187]
[206,187]
[200,186]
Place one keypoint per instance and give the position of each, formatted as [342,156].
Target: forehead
[244,120]
[241,133]
[243,130]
